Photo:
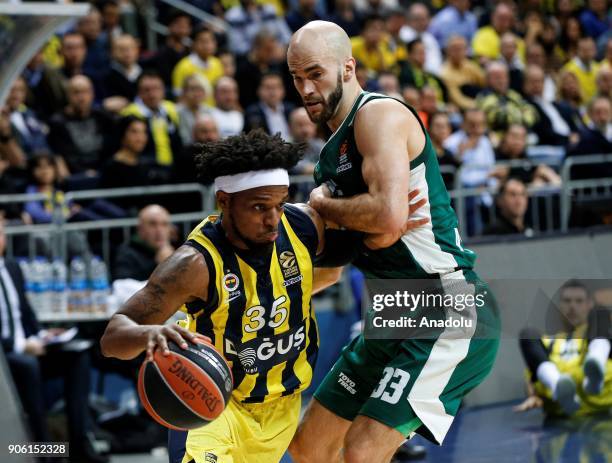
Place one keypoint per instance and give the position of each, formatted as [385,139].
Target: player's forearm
[325,277]
[124,338]
[364,212]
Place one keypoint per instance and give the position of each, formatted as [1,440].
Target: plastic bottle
[37,278]
[78,299]
[25,267]
[100,289]
[47,285]
[59,287]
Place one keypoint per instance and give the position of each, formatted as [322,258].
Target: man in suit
[596,138]
[23,343]
[555,124]
[271,112]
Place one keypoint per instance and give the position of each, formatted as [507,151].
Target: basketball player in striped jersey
[245,280]
[381,391]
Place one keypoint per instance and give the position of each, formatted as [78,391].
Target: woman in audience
[126,168]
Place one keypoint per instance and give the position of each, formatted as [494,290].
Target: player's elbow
[110,342]
[107,342]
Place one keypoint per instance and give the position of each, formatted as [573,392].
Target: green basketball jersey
[432,249]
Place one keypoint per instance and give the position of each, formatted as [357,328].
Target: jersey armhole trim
[212,299]
[303,217]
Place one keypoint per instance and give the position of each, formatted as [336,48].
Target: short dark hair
[371,18]
[271,75]
[38,157]
[71,34]
[201,29]
[124,124]
[575,283]
[175,14]
[241,153]
[504,184]
[148,74]
[437,114]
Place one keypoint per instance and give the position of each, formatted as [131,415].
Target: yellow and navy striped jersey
[258,312]
[568,351]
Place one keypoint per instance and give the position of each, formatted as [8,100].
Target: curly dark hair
[241,153]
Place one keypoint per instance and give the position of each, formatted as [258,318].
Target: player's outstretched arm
[384,131]
[139,324]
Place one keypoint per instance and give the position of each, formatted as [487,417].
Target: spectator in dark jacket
[304,13]
[124,70]
[596,138]
[174,50]
[512,201]
[555,124]
[151,245]
[271,112]
[80,133]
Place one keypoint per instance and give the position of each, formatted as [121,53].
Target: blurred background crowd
[509,92]
[516,98]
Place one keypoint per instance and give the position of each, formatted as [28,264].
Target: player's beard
[257,248]
[330,104]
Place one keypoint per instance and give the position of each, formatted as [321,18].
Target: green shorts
[414,385]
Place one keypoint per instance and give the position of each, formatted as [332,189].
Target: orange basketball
[187,389]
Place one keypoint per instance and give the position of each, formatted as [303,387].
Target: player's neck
[345,106]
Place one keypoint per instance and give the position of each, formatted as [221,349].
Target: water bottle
[60,290]
[25,267]
[37,277]
[46,285]
[78,299]
[100,288]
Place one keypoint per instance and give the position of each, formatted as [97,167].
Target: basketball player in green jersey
[382,391]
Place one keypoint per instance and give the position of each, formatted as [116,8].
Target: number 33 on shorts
[391,385]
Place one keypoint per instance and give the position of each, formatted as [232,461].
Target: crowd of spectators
[492,82]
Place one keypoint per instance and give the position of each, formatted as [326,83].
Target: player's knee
[357,453]
[299,451]
[358,448]
[303,449]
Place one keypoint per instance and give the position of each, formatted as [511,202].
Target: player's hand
[159,335]
[319,193]
[384,240]
[529,403]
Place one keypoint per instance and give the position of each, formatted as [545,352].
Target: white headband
[251,179]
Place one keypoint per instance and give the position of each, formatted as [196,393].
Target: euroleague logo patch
[231,282]
[210,457]
[288,264]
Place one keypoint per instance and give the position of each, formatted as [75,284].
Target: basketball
[187,389]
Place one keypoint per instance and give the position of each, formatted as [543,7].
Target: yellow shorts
[246,433]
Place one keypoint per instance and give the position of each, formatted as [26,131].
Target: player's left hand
[384,240]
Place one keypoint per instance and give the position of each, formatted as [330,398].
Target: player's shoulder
[382,108]
[302,218]
[299,214]
[379,114]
